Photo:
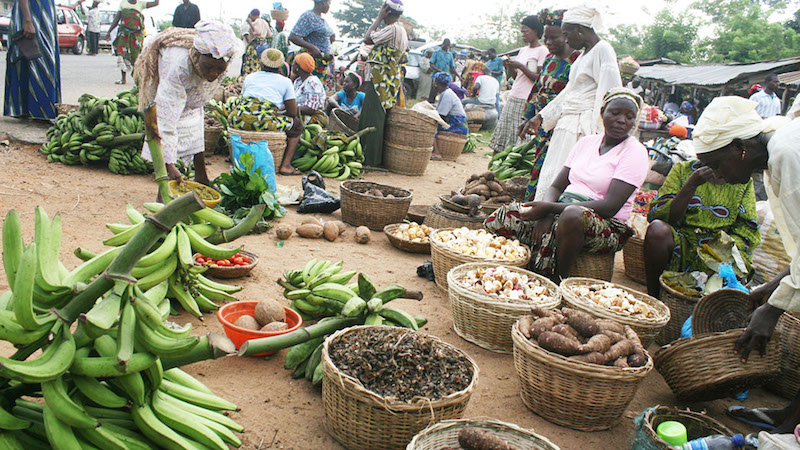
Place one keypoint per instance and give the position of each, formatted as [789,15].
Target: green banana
[200,411]
[373,319]
[13,245]
[313,361]
[198,398]
[178,292]
[187,424]
[98,393]
[177,375]
[214,218]
[133,215]
[148,314]
[8,421]
[400,317]
[23,292]
[354,307]
[127,332]
[185,256]
[161,345]
[157,431]
[365,287]
[108,366]
[300,352]
[163,251]
[66,410]
[210,250]
[374,305]
[162,273]
[218,286]
[59,434]
[124,237]
[52,363]
[334,291]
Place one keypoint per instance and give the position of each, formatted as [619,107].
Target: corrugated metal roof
[790,78]
[712,74]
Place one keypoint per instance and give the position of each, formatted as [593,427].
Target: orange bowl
[228,314]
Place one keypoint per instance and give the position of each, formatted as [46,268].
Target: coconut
[247,322]
[275,326]
[268,311]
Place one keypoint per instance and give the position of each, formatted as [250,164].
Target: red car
[71,32]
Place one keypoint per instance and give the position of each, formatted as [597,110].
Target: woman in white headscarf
[733,140]
[179,72]
[575,112]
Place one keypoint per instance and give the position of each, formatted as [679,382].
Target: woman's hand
[108,36]
[512,64]
[315,52]
[173,173]
[28,30]
[759,331]
[542,225]
[530,127]
[535,210]
[759,296]
[701,176]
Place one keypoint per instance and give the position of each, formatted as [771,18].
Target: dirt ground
[276,411]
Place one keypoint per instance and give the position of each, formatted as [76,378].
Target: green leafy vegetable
[722,249]
[685,283]
[244,188]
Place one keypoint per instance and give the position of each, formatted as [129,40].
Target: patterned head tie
[443,78]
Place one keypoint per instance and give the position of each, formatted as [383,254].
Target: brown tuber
[283,232]
[591,358]
[269,310]
[247,322]
[541,325]
[598,343]
[525,324]
[615,337]
[275,326]
[310,231]
[310,219]
[475,439]
[566,330]
[581,321]
[608,324]
[362,235]
[618,350]
[330,231]
[559,343]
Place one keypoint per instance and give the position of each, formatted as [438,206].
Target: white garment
[258,28]
[768,105]
[488,88]
[93,20]
[575,112]
[639,90]
[794,111]
[272,87]
[450,105]
[140,5]
[784,195]
[179,101]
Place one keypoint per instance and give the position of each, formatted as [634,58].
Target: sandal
[294,172]
[764,421]
[436,158]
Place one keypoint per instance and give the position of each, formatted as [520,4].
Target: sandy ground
[276,411]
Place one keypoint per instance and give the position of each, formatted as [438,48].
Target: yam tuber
[525,324]
[637,360]
[597,343]
[495,186]
[592,358]
[622,361]
[488,175]
[330,231]
[608,324]
[566,330]
[310,231]
[558,343]
[541,325]
[581,321]
[638,357]
[618,350]
[475,439]
[473,177]
[283,232]
[541,312]
[459,199]
[313,220]
[615,337]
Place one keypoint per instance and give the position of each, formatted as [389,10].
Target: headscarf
[356,78]
[272,58]
[621,92]
[216,39]
[679,131]
[443,78]
[255,12]
[726,119]
[755,88]
[280,22]
[686,106]
[394,5]
[547,17]
[305,61]
[585,15]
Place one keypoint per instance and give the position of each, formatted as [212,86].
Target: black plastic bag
[426,271]
[315,198]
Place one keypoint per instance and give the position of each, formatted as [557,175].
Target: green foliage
[164,24]
[244,188]
[500,30]
[356,16]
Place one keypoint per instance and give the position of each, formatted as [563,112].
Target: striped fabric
[34,87]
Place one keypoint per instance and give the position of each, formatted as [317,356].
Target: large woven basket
[410,128]
[445,259]
[486,320]
[646,328]
[445,435]
[574,394]
[680,308]
[450,145]
[406,160]
[373,212]
[359,418]
[275,139]
[706,367]
[720,311]
[476,115]
[474,127]
[440,217]
[698,425]
[633,256]
[342,122]
[404,244]
[594,265]
[787,384]
[418,213]
[279,14]
[211,138]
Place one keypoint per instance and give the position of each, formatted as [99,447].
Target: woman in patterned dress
[315,36]
[390,44]
[257,35]
[128,43]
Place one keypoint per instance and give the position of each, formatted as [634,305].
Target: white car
[107,17]
[414,57]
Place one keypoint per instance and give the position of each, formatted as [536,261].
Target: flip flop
[436,158]
[290,174]
[767,421]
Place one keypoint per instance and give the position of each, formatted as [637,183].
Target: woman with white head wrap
[733,140]
[179,72]
[575,112]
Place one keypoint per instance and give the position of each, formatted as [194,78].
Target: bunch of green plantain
[514,161]
[333,155]
[321,291]
[108,130]
[113,382]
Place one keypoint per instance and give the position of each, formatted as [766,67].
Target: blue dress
[350,108]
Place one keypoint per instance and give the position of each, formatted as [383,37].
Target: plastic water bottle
[716,442]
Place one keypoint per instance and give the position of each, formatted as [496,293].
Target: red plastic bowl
[228,314]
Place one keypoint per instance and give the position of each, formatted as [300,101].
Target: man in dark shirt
[186,15]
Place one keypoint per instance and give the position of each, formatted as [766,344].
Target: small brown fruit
[247,322]
[283,232]
[310,219]
[275,326]
[362,234]
[269,310]
[330,231]
[310,231]
[341,226]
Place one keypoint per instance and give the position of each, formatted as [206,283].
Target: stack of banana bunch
[103,129]
[113,382]
[221,110]
[514,161]
[320,291]
[172,261]
[333,155]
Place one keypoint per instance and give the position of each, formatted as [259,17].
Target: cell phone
[29,47]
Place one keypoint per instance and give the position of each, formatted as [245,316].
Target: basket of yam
[706,367]
[409,237]
[492,191]
[373,205]
[478,434]
[451,247]
[487,299]
[575,370]
[383,385]
[605,300]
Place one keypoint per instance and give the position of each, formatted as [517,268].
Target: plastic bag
[261,155]
[315,198]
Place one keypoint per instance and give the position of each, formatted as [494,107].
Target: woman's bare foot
[288,170]
[436,157]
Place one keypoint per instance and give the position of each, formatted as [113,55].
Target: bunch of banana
[320,290]
[514,161]
[333,155]
[102,129]
[110,383]
[471,145]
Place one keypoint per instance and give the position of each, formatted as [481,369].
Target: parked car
[5,22]
[71,32]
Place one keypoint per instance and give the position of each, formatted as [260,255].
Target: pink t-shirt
[522,84]
[591,173]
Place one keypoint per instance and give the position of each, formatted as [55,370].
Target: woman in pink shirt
[586,207]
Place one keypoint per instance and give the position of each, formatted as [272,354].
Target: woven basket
[275,139]
[452,206]
[418,213]
[445,259]
[340,121]
[787,384]
[404,244]
[705,367]
[574,394]
[211,138]
[474,127]
[476,115]
[233,271]
[720,311]
[410,128]
[445,435]
[406,160]
[593,265]
[450,145]
[680,308]
[646,328]
[373,212]
[698,425]
[633,256]
[440,217]
[359,418]
[279,14]
[516,187]
[486,320]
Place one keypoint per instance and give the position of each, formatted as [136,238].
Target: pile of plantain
[514,161]
[333,155]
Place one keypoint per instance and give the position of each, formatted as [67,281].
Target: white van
[107,17]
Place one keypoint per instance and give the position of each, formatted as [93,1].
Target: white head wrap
[585,15]
[395,5]
[726,119]
[216,39]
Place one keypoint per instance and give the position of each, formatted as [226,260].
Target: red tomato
[238,261]
[245,259]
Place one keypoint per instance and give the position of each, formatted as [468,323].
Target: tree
[356,16]
[500,31]
[671,36]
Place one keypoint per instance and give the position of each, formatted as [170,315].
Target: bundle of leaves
[244,187]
